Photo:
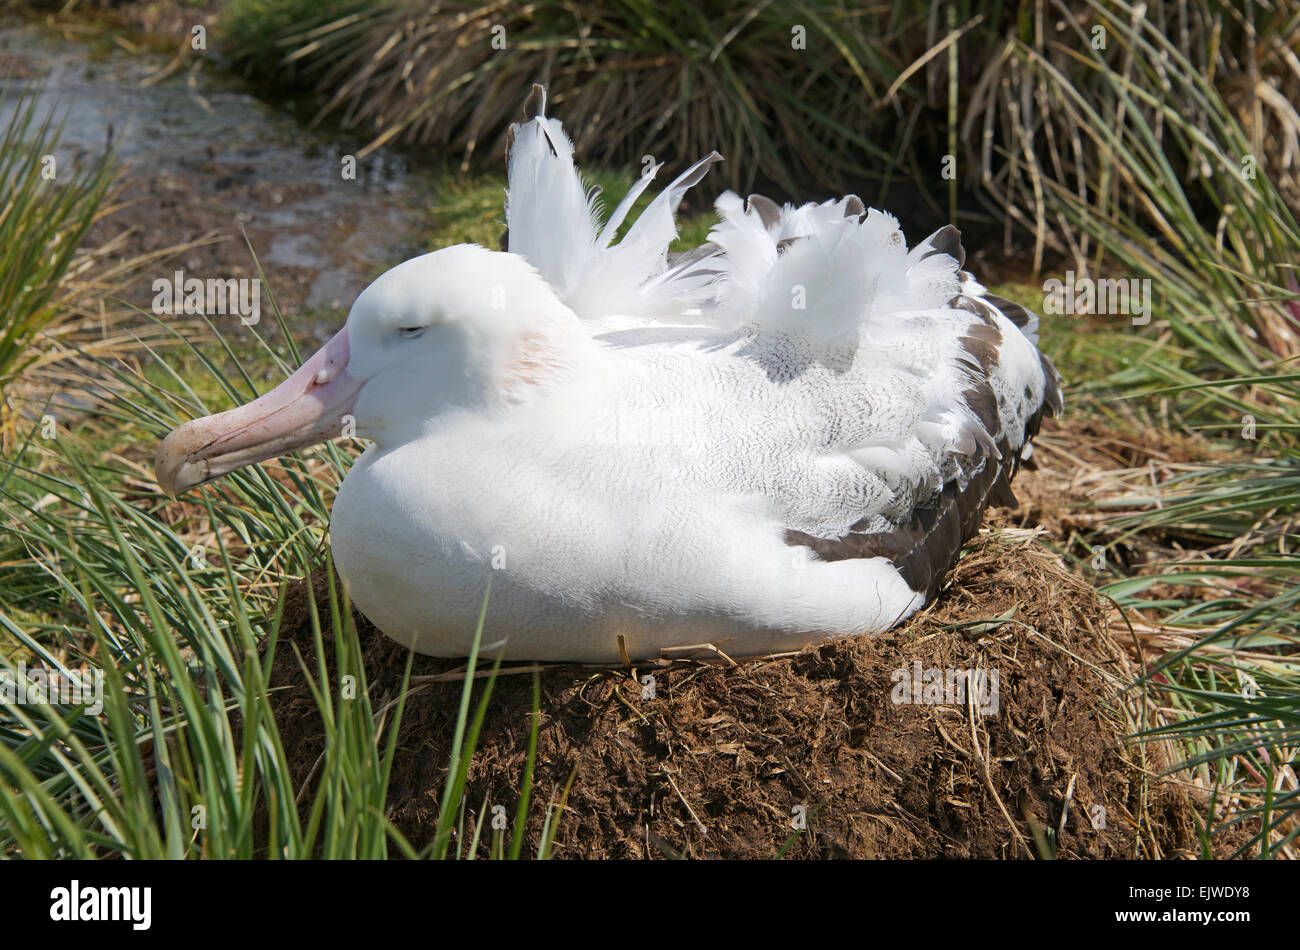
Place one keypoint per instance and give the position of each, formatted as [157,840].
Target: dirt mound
[717,760]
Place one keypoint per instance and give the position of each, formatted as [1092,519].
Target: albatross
[781,436]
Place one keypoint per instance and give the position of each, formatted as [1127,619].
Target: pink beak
[306,408]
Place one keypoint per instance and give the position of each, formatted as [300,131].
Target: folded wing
[809,284]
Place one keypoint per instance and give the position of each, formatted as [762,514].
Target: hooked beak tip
[176,471]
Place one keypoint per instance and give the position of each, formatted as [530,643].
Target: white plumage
[781,436]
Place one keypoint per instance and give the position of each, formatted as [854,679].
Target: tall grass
[254,29]
[1035,122]
[1227,283]
[1219,613]
[180,607]
[48,207]
[806,94]
[631,77]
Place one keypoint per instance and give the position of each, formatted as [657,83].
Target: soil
[192,216]
[724,760]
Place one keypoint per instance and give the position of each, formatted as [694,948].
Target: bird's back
[863,449]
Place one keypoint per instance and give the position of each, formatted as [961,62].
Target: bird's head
[460,327]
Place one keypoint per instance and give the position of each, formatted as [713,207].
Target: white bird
[781,436]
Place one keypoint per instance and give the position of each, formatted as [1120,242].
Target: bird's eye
[410,333]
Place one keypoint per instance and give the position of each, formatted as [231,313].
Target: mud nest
[810,754]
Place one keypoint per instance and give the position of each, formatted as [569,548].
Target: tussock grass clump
[1182,194]
[178,606]
[630,78]
[48,206]
[806,94]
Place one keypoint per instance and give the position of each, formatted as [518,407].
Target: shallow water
[198,129]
